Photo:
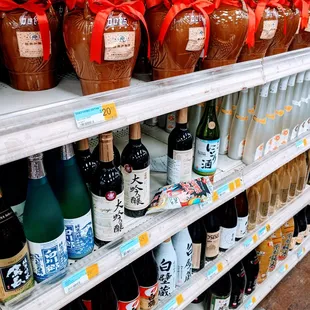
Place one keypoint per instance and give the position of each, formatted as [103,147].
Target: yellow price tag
[238,183]
[179,299]
[220,267]
[109,111]
[255,238]
[144,239]
[92,271]
[215,196]
[267,227]
[231,186]
[253,299]
[305,142]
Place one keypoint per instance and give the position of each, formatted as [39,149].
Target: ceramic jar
[301,39]
[263,36]
[122,36]
[22,49]
[229,26]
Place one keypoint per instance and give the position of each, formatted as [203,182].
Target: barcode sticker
[174,303]
[283,268]
[96,114]
[301,252]
[134,244]
[214,270]
[301,143]
[262,231]
[79,278]
[228,188]
[250,303]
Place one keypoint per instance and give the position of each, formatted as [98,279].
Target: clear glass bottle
[253,203]
[305,106]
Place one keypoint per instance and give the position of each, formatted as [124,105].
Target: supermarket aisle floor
[293,292]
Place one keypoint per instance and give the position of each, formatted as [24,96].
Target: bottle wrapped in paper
[183,194]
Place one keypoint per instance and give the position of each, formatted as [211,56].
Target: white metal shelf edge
[38,129]
[200,282]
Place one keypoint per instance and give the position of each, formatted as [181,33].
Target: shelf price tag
[301,252]
[134,244]
[227,188]
[301,143]
[214,270]
[96,114]
[174,303]
[283,268]
[250,303]
[79,278]
[262,231]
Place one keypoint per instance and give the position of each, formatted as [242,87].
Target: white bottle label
[184,263]
[284,136]
[196,255]
[268,146]
[276,141]
[196,39]
[206,155]
[241,148]
[108,215]
[48,258]
[259,152]
[227,237]
[302,128]
[264,90]
[242,226]
[79,235]
[19,210]
[219,303]
[225,144]
[212,244]
[294,132]
[136,188]
[180,166]
[269,29]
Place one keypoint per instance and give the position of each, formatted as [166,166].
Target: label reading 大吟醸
[206,155]
[79,236]
[48,258]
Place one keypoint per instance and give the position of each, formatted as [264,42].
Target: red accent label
[149,297]
[110,195]
[129,305]
[87,304]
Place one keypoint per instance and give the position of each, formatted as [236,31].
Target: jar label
[79,235]
[19,210]
[15,275]
[48,258]
[269,29]
[108,216]
[196,255]
[119,45]
[213,244]
[259,152]
[129,305]
[242,226]
[227,237]
[29,44]
[196,39]
[206,155]
[180,167]
[136,187]
[148,297]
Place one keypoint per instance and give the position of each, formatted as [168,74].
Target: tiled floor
[293,292]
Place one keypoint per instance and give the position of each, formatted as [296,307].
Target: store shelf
[282,269]
[202,280]
[158,227]
[42,123]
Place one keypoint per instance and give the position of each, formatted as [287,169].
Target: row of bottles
[229,291]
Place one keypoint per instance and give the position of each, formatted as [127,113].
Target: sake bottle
[195,113]
[166,260]
[207,142]
[254,141]
[303,172]
[296,103]
[243,215]
[264,252]
[288,110]
[253,196]
[224,120]
[280,102]
[44,224]
[295,234]
[270,117]
[235,99]
[277,245]
[285,182]
[75,203]
[275,192]
[183,247]
[304,110]
[294,172]
[287,235]
[265,192]
[251,107]
[238,128]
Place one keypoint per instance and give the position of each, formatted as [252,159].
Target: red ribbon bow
[102,9]
[39,9]
[202,6]
[303,6]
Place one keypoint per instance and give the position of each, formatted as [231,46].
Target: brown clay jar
[229,26]
[301,39]
[182,46]
[263,36]
[116,68]
[27,69]
[281,41]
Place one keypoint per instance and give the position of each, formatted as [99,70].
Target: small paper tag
[196,39]
[283,268]
[95,115]
[215,196]
[269,29]
[262,231]
[134,244]
[301,252]
[224,189]
[250,303]
[174,303]
[79,278]
[228,188]
[214,270]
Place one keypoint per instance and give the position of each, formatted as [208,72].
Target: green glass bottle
[75,203]
[44,224]
[207,142]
